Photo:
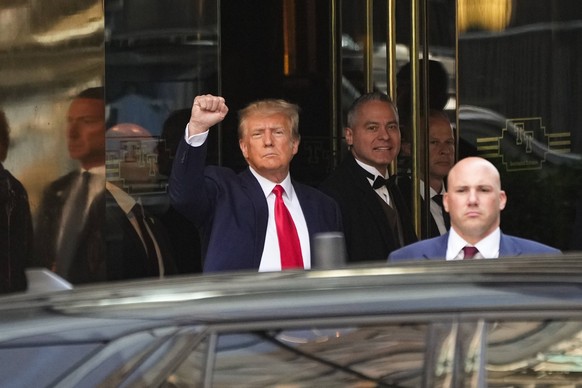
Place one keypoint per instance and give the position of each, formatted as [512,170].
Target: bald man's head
[474,198]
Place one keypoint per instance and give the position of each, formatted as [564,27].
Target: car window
[532,353]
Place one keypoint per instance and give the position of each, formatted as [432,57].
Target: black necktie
[152,264]
[83,195]
[438,198]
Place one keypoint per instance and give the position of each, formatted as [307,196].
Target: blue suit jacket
[436,249]
[231,210]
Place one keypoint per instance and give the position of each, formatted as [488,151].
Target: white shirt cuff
[195,140]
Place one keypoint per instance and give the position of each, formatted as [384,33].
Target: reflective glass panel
[519,96]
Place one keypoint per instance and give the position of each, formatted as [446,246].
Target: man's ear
[502,200]
[243,148]
[349,135]
[446,202]
[296,145]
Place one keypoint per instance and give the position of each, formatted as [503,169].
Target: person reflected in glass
[77,227]
[71,213]
[438,96]
[16,233]
[474,201]
[441,157]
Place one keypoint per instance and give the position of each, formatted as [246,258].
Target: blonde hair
[270,107]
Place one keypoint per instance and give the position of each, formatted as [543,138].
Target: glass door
[519,94]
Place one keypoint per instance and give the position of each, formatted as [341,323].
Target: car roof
[72,337]
[412,287]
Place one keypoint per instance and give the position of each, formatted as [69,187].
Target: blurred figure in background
[438,87]
[441,144]
[438,95]
[15,222]
[88,233]
[441,157]
[72,210]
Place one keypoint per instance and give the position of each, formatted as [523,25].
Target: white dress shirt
[271,258]
[488,247]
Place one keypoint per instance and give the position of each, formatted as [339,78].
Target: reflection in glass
[518,94]
[532,353]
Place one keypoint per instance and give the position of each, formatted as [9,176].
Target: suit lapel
[405,219]
[369,198]
[438,250]
[507,247]
[252,189]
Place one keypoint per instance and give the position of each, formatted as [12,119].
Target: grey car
[498,323]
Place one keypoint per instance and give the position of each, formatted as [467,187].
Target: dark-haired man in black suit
[376,218]
[15,223]
[77,237]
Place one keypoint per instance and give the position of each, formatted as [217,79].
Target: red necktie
[288,238]
[469,252]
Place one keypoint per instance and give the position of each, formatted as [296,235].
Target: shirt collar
[267,186]
[372,170]
[99,170]
[488,247]
[432,191]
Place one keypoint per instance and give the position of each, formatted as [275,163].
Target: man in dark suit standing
[78,238]
[376,218]
[15,222]
[441,157]
[474,200]
[72,210]
[241,215]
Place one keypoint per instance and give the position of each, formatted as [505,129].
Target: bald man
[474,201]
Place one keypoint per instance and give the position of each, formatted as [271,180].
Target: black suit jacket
[231,210]
[15,233]
[126,254]
[89,252]
[108,247]
[404,183]
[368,234]
[185,240]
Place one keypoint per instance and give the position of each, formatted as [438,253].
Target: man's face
[375,136]
[268,145]
[441,143]
[474,199]
[86,131]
